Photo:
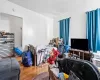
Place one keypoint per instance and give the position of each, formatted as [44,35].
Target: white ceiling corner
[50,8]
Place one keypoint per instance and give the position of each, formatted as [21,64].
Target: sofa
[9,69]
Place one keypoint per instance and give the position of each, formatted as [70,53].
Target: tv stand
[85,55]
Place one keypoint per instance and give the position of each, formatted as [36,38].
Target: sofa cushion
[9,67]
[5,66]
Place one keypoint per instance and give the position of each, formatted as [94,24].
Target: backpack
[17,51]
[27,58]
[34,56]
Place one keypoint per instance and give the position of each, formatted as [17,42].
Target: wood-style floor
[28,73]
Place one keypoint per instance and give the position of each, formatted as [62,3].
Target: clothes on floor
[43,53]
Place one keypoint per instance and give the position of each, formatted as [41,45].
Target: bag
[33,51]
[17,51]
[67,48]
[61,48]
[27,59]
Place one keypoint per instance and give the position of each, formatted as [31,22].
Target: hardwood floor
[28,73]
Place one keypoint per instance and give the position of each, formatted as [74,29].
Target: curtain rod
[64,19]
[92,10]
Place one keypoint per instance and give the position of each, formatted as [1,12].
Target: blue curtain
[93,29]
[64,30]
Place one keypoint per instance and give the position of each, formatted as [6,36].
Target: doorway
[12,24]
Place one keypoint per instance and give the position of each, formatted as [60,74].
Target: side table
[53,73]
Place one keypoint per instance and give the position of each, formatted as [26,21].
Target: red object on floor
[53,57]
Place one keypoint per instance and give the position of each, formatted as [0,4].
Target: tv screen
[81,44]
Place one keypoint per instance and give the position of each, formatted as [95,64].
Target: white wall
[76,10]
[4,23]
[35,25]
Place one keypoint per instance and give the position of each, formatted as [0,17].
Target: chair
[79,69]
[9,69]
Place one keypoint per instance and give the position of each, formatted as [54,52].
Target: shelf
[7,34]
[1,41]
[6,43]
[10,43]
[6,38]
[6,52]
[6,48]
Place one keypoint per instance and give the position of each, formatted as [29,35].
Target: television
[81,44]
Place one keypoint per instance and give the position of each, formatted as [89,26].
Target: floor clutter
[62,67]
[63,62]
[42,54]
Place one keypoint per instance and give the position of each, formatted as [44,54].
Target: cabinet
[85,55]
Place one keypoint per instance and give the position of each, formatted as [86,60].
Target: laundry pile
[59,44]
[45,54]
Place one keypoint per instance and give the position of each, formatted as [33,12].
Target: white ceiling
[51,8]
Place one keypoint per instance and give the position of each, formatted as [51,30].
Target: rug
[42,76]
